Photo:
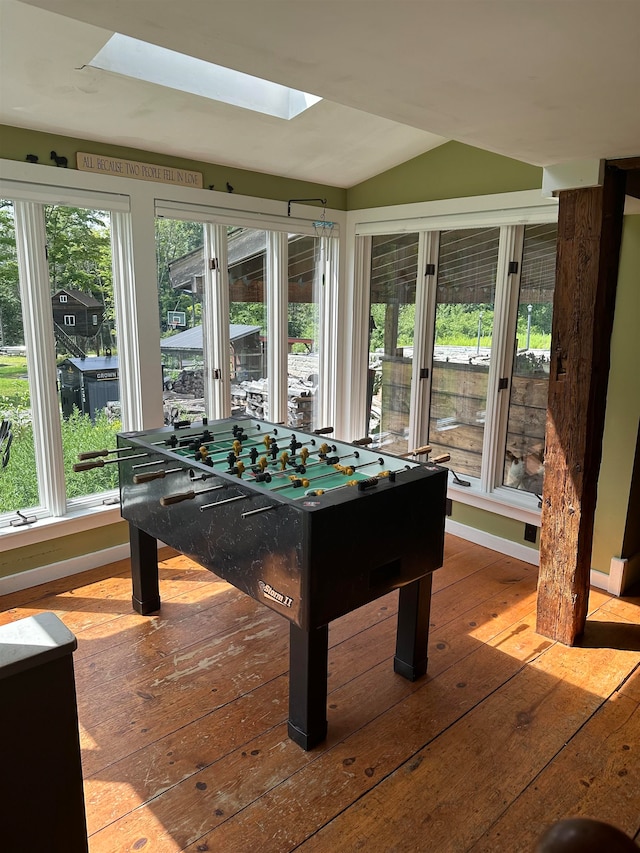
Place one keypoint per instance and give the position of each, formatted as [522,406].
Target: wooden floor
[183,718]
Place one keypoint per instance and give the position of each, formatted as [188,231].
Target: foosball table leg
[414,607]
[308,653]
[144,571]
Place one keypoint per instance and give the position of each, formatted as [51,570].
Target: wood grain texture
[183,718]
[589,234]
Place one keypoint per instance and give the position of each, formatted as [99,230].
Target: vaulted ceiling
[538,80]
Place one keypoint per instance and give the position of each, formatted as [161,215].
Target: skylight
[144,61]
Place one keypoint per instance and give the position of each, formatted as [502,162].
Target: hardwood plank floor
[183,717]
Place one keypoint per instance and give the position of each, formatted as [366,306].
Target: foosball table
[310,527]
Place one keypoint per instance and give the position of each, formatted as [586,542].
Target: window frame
[132,206]
[511,212]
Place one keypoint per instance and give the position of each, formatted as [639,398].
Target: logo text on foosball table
[273,595]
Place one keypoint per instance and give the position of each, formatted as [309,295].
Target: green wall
[623,408]
[62,548]
[490,522]
[16,143]
[452,170]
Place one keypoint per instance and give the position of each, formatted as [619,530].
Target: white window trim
[501,363]
[277,290]
[328,291]
[426,288]
[215,322]
[39,338]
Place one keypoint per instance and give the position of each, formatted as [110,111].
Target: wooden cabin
[438,121]
[77,313]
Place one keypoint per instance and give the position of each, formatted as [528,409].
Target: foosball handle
[167,500]
[438,460]
[94,454]
[426,448]
[147,478]
[363,442]
[323,431]
[87,466]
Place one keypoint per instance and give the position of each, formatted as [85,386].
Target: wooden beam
[589,234]
[625,163]
[633,183]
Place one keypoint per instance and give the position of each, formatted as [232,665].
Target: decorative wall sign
[139,171]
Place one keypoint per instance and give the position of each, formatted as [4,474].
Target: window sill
[509,503]
[77,520]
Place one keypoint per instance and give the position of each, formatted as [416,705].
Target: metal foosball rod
[226,501]
[297,482]
[362,485]
[96,454]
[259,510]
[294,483]
[347,470]
[238,429]
[238,446]
[330,460]
[160,461]
[318,492]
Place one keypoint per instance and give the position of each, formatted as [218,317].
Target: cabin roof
[81,296]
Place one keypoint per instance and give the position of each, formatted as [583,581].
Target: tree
[11,333]
[79,249]
[174,238]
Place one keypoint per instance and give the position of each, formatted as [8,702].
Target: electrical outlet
[530,533]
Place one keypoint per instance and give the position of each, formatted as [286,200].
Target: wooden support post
[589,235]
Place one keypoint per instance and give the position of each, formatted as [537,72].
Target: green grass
[18,480]
[14,385]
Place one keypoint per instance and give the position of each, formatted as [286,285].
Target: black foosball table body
[312,543]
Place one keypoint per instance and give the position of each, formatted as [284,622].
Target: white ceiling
[543,81]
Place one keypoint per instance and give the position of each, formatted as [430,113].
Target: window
[303,330]
[248,332]
[394,269]
[60,407]
[465,296]
[459,350]
[524,446]
[79,261]
[63,297]
[180,271]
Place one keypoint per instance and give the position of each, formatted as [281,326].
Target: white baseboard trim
[601,580]
[496,543]
[65,568]
[622,573]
